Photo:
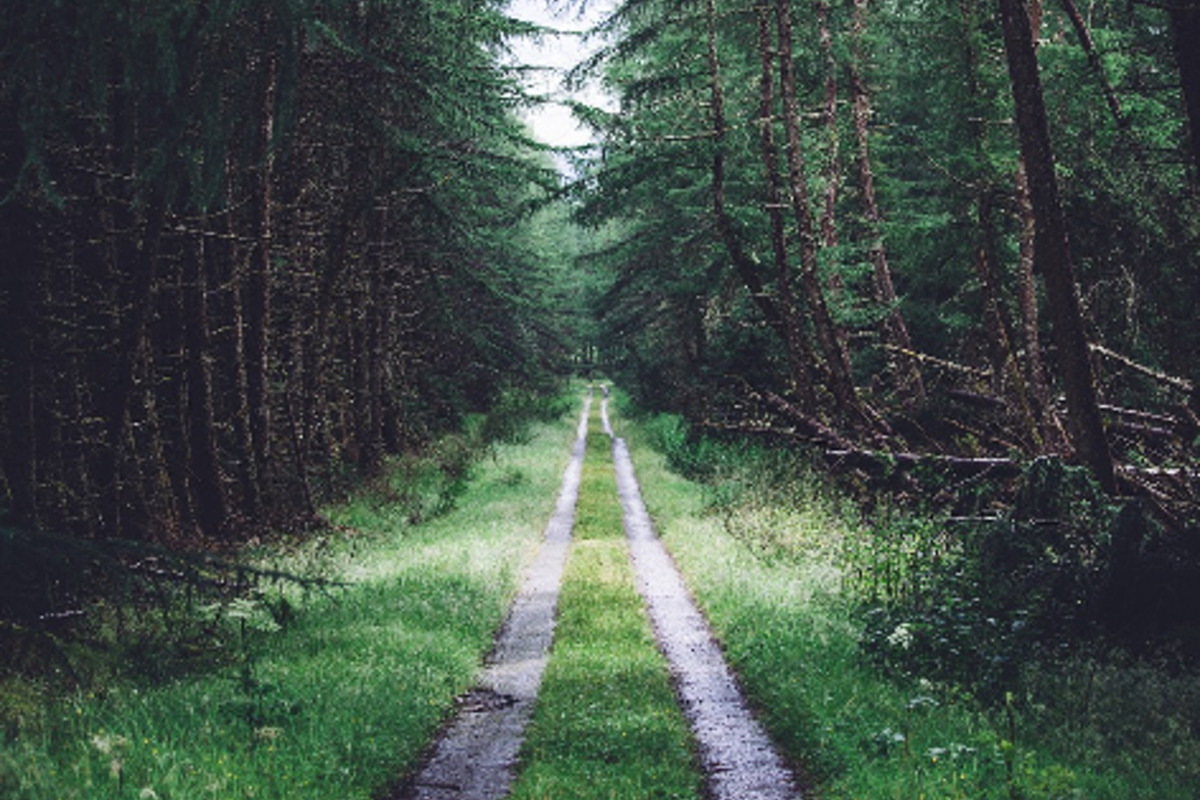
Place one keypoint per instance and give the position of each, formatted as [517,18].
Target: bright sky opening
[553,123]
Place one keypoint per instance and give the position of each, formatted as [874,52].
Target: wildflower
[105,743]
[267,734]
[901,637]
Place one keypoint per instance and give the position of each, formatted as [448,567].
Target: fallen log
[881,459]
[1143,416]
[1140,430]
[941,363]
[1182,384]
[806,425]
[976,399]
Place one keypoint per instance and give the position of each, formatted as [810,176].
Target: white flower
[105,743]
[902,637]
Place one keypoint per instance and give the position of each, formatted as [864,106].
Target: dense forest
[963,229]
[924,271]
[253,247]
[948,251]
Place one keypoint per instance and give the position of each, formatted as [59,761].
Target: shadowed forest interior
[941,257]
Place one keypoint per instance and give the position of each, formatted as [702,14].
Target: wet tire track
[738,758]
[475,757]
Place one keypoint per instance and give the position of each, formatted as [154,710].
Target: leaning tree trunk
[840,382]
[1053,438]
[800,358]
[894,330]
[1052,250]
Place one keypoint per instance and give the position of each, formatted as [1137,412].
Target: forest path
[739,760]
[476,756]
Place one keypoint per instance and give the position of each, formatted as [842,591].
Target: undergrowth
[906,656]
[286,689]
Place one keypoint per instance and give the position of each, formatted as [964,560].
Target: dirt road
[476,756]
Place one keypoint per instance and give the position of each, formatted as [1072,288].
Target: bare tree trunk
[770,158]
[207,483]
[247,466]
[1185,34]
[258,305]
[995,310]
[1053,438]
[893,328]
[832,173]
[1089,47]
[132,350]
[17,325]
[1053,252]
[837,361]
[800,358]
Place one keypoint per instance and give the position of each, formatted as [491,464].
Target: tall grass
[607,724]
[329,695]
[773,565]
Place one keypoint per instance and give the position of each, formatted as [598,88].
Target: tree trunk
[837,361]
[18,292]
[243,434]
[800,360]
[258,305]
[132,351]
[893,328]
[1052,249]
[1089,47]
[832,175]
[995,310]
[206,480]
[1053,438]
[786,300]
[1185,33]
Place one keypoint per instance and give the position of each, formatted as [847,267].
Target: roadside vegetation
[607,723]
[895,656]
[331,667]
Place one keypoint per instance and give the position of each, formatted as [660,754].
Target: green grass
[607,724]
[338,703]
[788,628]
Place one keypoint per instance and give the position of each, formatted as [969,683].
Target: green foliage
[303,691]
[875,708]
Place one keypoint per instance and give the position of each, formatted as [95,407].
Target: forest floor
[476,755]
[343,694]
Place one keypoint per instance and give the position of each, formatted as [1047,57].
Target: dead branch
[1143,416]
[976,399]
[872,459]
[949,366]
[1182,384]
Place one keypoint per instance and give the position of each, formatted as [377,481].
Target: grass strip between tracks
[607,724]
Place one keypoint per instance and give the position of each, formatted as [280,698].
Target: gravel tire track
[475,756]
[738,758]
